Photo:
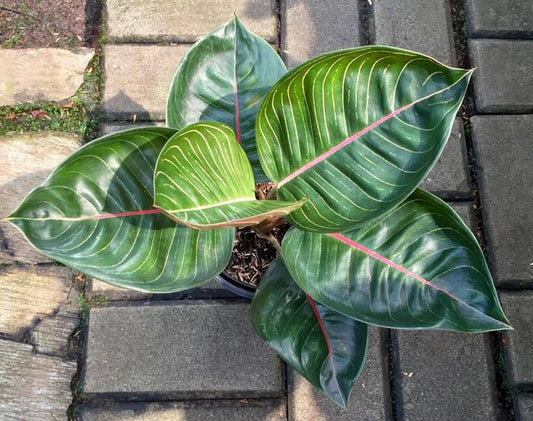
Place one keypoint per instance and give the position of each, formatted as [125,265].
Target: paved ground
[193,356]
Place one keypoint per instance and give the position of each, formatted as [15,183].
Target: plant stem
[271,239]
[271,195]
[7,9]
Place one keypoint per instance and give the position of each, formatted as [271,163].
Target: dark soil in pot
[251,255]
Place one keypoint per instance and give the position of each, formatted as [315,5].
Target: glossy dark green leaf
[418,267]
[224,78]
[326,347]
[355,131]
[204,180]
[95,214]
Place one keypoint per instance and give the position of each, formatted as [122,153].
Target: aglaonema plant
[346,138]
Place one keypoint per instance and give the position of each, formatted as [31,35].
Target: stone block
[466,212]
[316,27]
[51,335]
[211,289]
[500,18]
[518,307]
[449,178]
[445,376]
[185,20]
[23,169]
[503,81]
[32,386]
[135,87]
[178,350]
[241,410]
[30,294]
[504,149]
[419,25]
[59,75]
[524,405]
[368,400]
[114,127]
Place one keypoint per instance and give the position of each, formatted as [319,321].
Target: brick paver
[525,407]
[314,27]
[180,350]
[185,20]
[135,87]
[500,18]
[445,376]
[518,306]
[504,149]
[449,177]
[503,81]
[368,400]
[419,25]
[169,411]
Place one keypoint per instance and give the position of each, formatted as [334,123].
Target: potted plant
[344,140]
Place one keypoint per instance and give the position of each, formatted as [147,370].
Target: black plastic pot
[237,287]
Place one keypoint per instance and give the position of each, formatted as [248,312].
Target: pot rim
[237,287]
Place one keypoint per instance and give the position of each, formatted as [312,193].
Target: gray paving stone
[170,411]
[419,25]
[449,178]
[185,349]
[211,289]
[135,88]
[504,149]
[518,306]
[23,169]
[503,81]
[367,402]
[466,212]
[525,407]
[32,386]
[445,376]
[114,127]
[500,18]
[314,27]
[59,75]
[186,20]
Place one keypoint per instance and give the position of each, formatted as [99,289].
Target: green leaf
[326,347]
[204,180]
[418,267]
[355,131]
[224,78]
[94,213]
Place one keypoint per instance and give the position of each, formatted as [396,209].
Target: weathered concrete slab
[27,159]
[416,25]
[134,86]
[49,74]
[30,294]
[316,27]
[51,335]
[524,403]
[445,376]
[503,81]
[368,400]
[169,411]
[110,128]
[33,387]
[500,18]
[180,349]
[185,21]
[449,178]
[504,149]
[518,306]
